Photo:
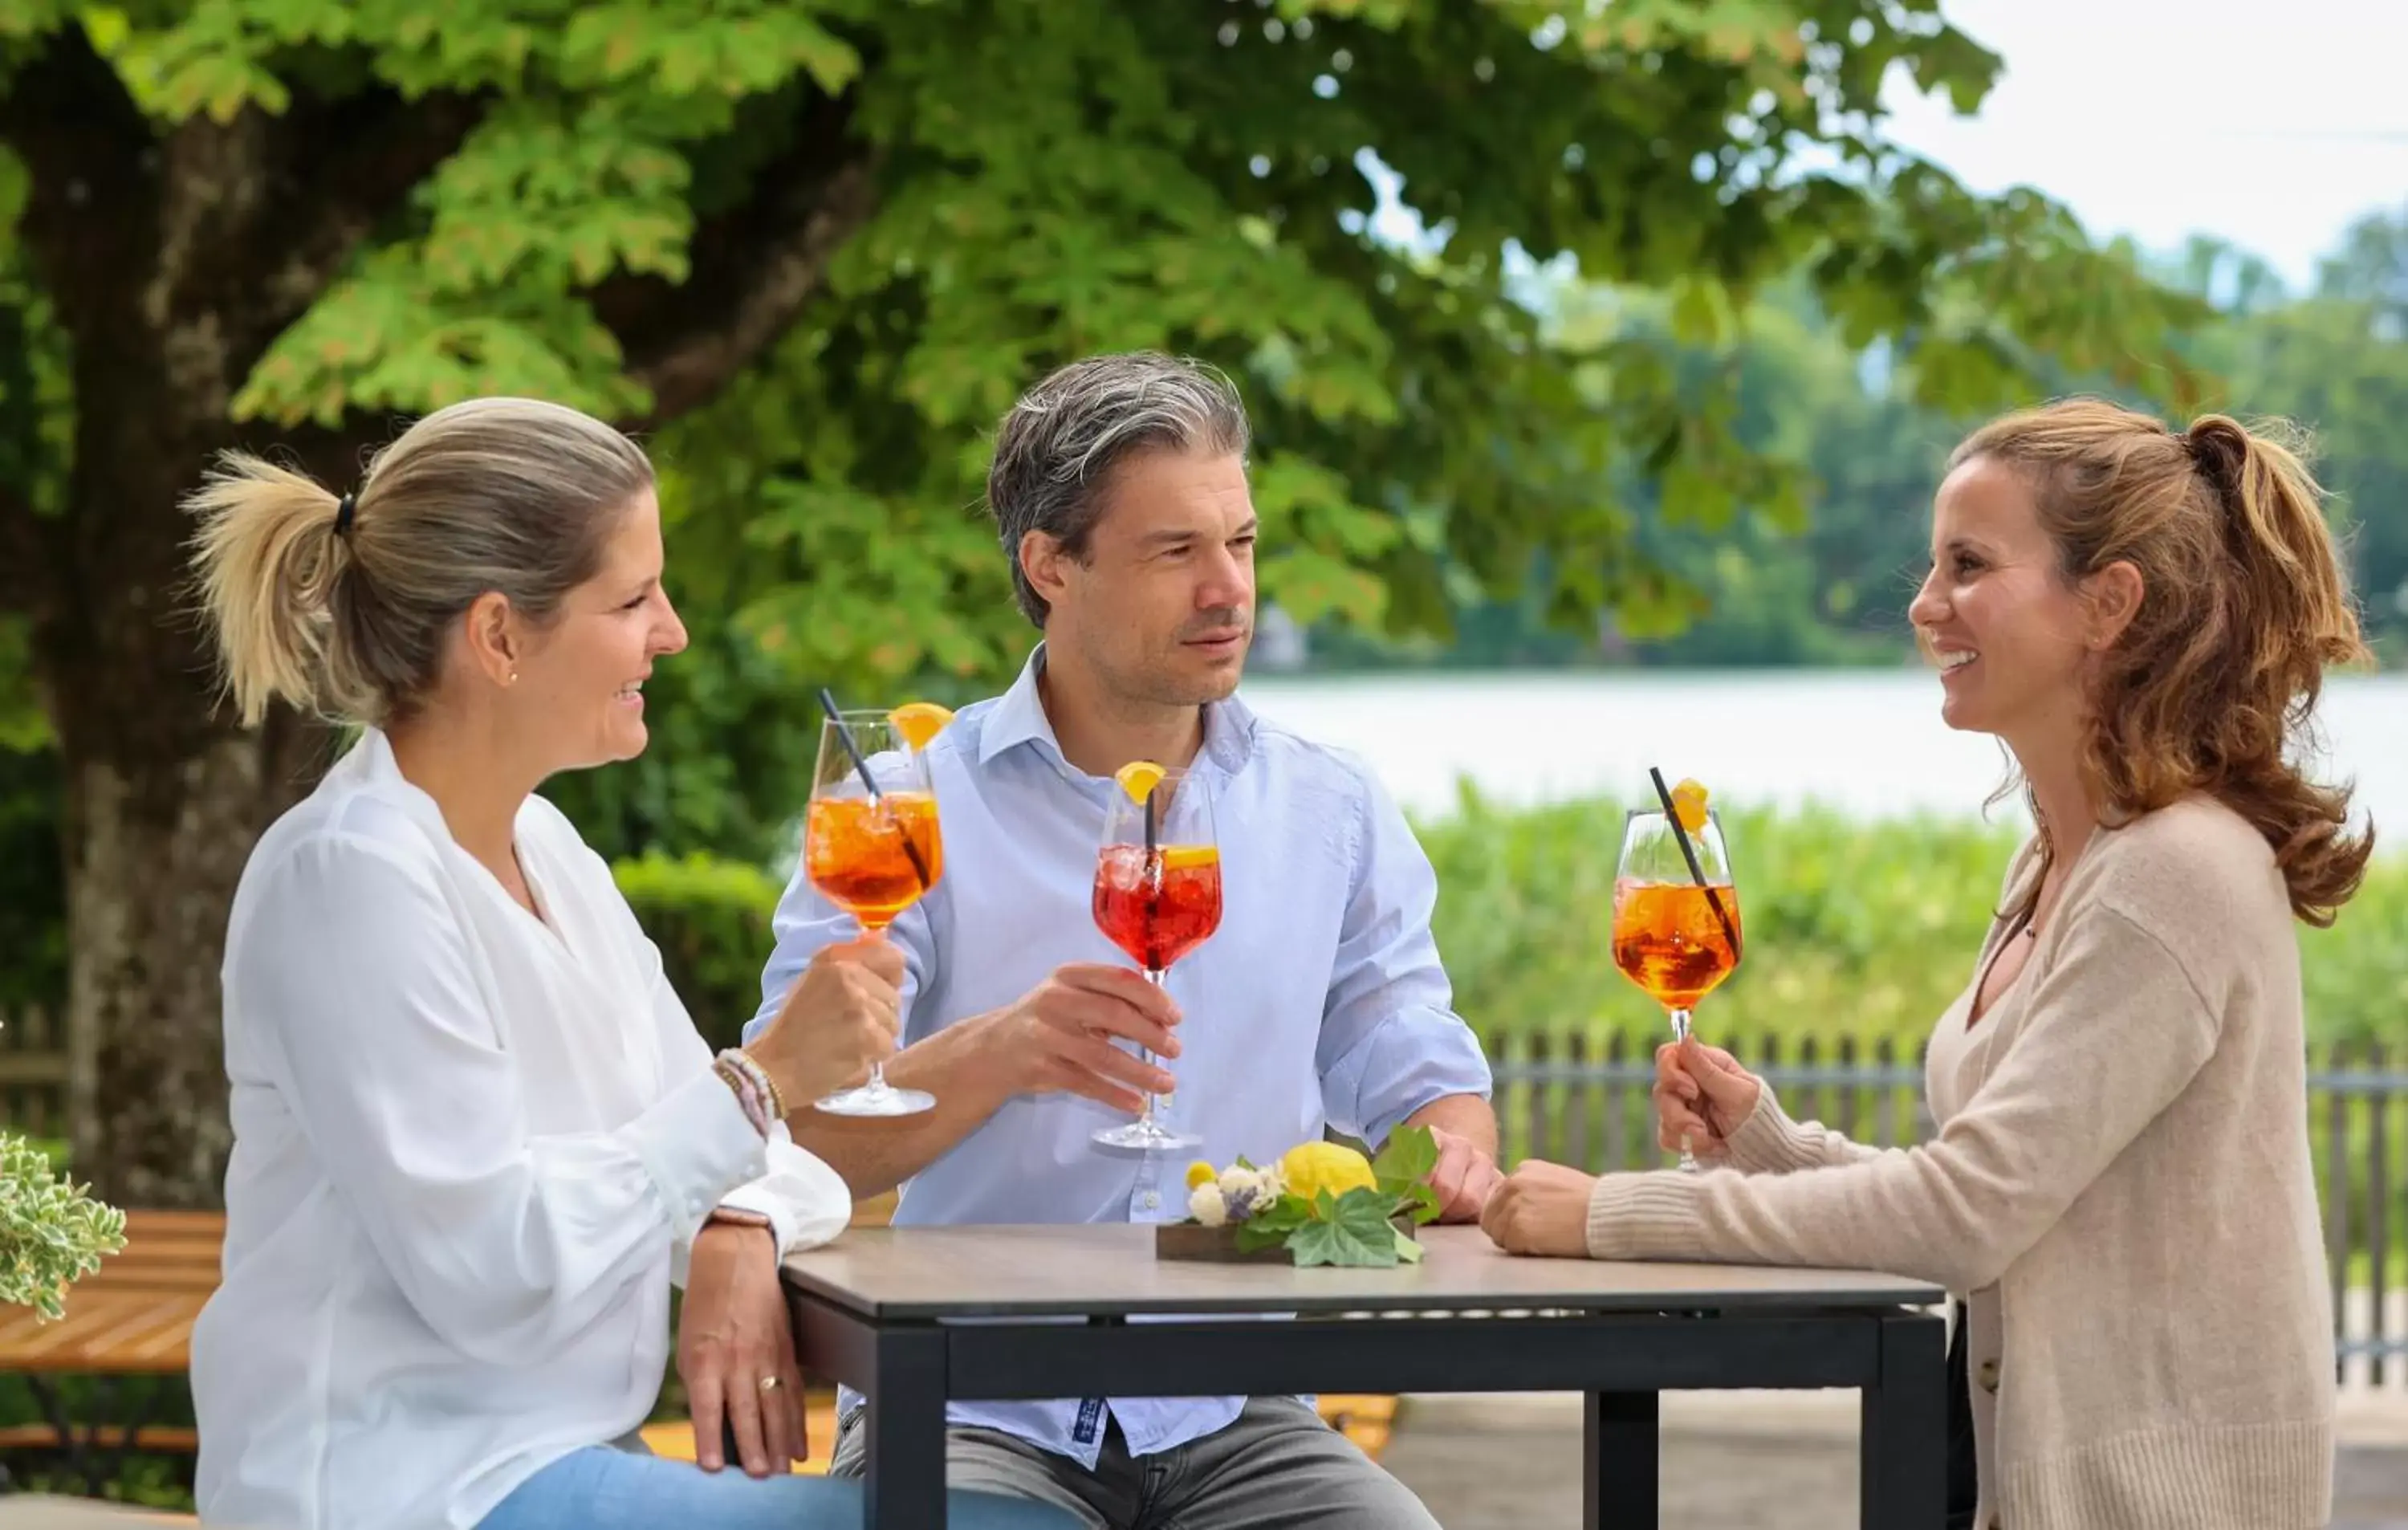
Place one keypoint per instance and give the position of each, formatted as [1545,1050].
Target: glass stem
[1145,1055]
[1680,1034]
[877,1069]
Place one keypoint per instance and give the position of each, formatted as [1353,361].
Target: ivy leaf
[1353,1231]
[1408,1156]
[1270,1226]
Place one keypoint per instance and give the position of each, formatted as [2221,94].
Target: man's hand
[733,1333]
[1464,1177]
[1540,1209]
[1059,1035]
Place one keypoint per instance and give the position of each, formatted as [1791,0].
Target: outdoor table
[913,1317]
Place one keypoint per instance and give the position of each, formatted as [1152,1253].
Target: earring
[514,678]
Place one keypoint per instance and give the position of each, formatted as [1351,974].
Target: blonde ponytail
[513,496]
[267,558]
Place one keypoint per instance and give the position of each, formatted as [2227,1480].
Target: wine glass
[1676,930]
[1157,897]
[870,846]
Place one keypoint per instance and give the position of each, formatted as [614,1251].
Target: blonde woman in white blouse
[476,1138]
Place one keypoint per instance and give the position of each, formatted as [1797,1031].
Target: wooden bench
[129,1325]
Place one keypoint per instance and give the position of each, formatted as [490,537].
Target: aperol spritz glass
[1157,897]
[871,847]
[1676,930]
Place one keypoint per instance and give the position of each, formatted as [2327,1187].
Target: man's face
[1162,610]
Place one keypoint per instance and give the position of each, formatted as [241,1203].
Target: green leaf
[1406,1158]
[1355,1232]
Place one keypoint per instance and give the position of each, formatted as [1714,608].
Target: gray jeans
[1277,1467]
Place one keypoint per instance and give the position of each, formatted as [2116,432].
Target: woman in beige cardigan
[2120,1187]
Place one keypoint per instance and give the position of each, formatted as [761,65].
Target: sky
[2271,123]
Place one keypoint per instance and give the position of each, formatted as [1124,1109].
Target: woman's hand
[1702,1096]
[1540,1209]
[840,1016]
[734,1335]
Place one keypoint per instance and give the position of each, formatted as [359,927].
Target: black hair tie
[344,509]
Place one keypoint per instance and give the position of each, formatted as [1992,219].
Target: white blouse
[472,1151]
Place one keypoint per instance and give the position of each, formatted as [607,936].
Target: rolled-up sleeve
[1391,1042]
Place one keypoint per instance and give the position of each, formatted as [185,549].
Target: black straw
[1689,853]
[861,769]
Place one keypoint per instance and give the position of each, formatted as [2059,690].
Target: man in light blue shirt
[1119,486]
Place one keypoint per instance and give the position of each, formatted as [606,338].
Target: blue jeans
[604,1488]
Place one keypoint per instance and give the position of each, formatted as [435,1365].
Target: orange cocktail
[871,845]
[1667,940]
[1676,930]
[873,858]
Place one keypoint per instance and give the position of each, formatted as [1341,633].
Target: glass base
[1142,1140]
[876,1099]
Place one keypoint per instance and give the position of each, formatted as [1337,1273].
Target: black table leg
[905,1473]
[1619,1445]
[1905,1465]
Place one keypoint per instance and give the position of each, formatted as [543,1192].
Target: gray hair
[346,616]
[1058,447]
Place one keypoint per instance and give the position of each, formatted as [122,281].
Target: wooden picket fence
[1583,1102]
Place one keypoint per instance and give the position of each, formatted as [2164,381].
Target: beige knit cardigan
[2124,1198]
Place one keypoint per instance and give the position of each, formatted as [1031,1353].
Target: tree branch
[753,269]
[384,145]
[68,117]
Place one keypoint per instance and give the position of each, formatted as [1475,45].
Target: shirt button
[1150,1200]
[1989,1376]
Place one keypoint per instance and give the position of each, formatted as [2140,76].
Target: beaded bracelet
[749,1093]
[752,1065]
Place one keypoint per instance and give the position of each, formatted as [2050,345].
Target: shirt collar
[1019,718]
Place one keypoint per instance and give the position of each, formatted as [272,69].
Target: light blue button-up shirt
[1319,1002]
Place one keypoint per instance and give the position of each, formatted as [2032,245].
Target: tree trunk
[164,797]
[173,257]
[156,843]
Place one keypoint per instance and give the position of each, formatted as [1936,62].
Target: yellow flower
[1310,1167]
[1201,1173]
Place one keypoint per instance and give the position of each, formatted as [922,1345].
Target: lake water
[1868,742]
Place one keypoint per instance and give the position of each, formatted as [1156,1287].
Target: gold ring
[769,1383]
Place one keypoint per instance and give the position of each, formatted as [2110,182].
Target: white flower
[1207,1207]
[1244,1184]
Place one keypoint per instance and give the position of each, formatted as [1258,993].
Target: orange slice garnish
[1689,806]
[1139,778]
[918,722]
[1179,857]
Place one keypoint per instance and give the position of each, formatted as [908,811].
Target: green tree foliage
[812,249]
